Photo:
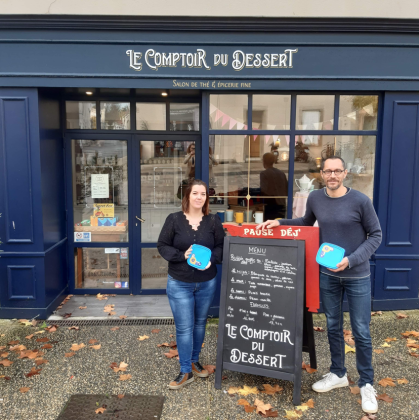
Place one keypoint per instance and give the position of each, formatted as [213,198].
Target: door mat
[130,407]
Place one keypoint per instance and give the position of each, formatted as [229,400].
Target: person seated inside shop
[191,290]
[273,183]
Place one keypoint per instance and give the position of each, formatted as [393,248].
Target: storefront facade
[101,129]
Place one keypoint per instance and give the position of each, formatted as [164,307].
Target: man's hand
[269,224]
[341,266]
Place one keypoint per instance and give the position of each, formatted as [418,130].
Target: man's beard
[336,187]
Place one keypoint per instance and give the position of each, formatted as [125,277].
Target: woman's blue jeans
[190,303]
[358,292]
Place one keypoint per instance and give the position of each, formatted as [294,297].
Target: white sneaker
[369,402]
[329,382]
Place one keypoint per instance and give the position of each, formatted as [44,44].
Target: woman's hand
[188,252]
[269,224]
[206,268]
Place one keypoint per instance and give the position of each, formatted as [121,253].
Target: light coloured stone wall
[261,8]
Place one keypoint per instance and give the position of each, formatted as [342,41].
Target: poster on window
[100,185]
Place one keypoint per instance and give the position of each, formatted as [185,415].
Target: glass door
[166,164]
[98,220]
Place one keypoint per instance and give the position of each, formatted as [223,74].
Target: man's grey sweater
[350,222]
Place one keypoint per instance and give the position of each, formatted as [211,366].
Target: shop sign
[82,237]
[238,60]
[111,250]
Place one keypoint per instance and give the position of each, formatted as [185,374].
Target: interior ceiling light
[89,93]
[164,94]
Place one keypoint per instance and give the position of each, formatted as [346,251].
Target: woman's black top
[177,236]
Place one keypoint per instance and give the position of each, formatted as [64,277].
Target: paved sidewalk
[88,371]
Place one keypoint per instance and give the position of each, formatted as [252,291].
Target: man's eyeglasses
[337,172]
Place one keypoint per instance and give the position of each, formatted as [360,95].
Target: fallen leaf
[163,345]
[24,389]
[39,362]
[122,316]
[402,316]
[402,381]
[42,340]
[67,315]
[301,408]
[28,354]
[209,368]
[155,331]
[17,348]
[308,368]
[4,354]
[349,349]
[121,368]
[351,382]
[292,414]
[100,410]
[51,328]
[39,332]
[233,390]
[378,351]
[270,413]
[108,308]
[7,378]
[12,343]
[203,345]
[6,362]
[355,390]
[309,403]
[172,353]
[125,377]
[77,347]
[93,341]
[387,382]
[414,354]
[385,397]
[385,345]
[2,347]
[376,313]
[247,390]
[28,337]
[22,321]
[143,337]
[261,407]
[242,401]
[112,313]
[388,340]
[82,307]
[34,371]
[249,408]
[411,341]
[171,335]
[96,347]
[74,328]
[272,390]
[224,377]
[71,354]
[413,346]
[114,328]
[101,297]
[319,329]
[46,346]
[120,396]
[409,333]
[173,344]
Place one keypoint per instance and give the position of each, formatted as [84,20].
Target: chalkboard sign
[261,309]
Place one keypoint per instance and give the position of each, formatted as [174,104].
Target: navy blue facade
[34,267]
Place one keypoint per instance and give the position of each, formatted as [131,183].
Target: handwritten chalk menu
[261,312]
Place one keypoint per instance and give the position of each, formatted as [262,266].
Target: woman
[191,291]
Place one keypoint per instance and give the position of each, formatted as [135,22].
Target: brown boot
[198,370]
[181,380]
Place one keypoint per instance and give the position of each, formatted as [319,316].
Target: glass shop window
[154,269]
[166,169]
[358,112]
[80,115]
[315,112]
[184,117]
[271,112]
[101,268]
[100,190]
[357,151]
[249,175]
[228,112]
[115,116]
[151,116]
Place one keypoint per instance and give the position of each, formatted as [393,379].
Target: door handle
[139,218]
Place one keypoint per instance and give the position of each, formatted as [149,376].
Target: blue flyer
[329,255]
[199,257]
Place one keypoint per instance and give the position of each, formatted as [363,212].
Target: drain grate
[112,322]
[131,407]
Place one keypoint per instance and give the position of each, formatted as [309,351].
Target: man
[346,218]
[273,183]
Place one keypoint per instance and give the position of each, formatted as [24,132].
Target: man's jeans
[358,292]
[190,303]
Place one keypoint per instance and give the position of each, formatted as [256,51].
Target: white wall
[266,8]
